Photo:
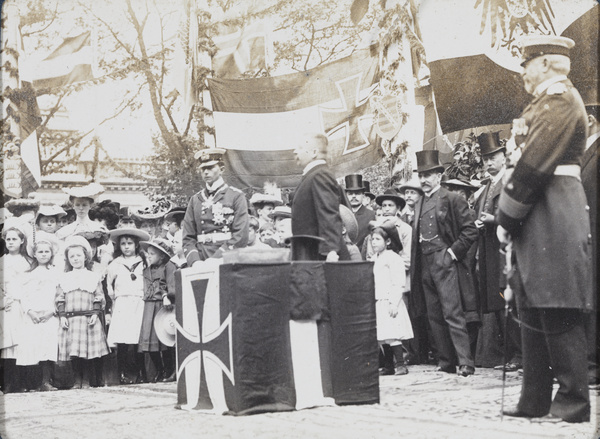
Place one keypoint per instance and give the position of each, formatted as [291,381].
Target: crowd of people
[85,282]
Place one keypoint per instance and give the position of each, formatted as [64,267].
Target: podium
[250,339]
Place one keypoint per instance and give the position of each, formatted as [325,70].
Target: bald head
[313,146]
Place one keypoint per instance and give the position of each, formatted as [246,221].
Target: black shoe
[386,371]
[465,371]
[447,369]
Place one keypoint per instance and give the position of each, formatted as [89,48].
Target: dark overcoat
[363,217]
[545,213]
[457,229]
[315,210]
[491,262]
[589,178]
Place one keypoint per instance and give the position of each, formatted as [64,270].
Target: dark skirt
[149,341]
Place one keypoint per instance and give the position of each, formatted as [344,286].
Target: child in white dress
[14,263]
[125,285]
[39,344]
[393,322]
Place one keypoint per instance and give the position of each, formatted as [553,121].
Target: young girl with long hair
[80,303]
[125,284]
[39,343]
[393,322]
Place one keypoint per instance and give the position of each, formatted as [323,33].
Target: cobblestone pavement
[423,404]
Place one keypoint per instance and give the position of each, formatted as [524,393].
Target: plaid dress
[81,290]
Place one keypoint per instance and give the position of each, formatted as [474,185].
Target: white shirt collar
[434,190]
[313,164]
[216,185]
[499,175]
[547,83]
[592,139]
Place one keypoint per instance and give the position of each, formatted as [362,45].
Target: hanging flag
[241,50]
[243,353]
[185,59]
[473,55]
[31,175]
[69,63]
[259,121]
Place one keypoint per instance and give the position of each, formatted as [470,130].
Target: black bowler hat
[305,247]
[391,194]
[489,143]
[368,192]
[429,160]
[354,182]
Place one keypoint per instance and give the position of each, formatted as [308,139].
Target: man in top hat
[369,197]
[355,191]
[315,207]
[542,207]
[443,232]
[492,280]
[216,219]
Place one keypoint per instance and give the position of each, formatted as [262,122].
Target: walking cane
[508,296]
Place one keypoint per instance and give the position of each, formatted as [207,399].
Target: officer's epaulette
[557,88]
[236,189]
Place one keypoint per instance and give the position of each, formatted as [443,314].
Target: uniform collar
[216,185]
[312,165]
[541,88]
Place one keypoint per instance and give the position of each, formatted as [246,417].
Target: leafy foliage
[467,163]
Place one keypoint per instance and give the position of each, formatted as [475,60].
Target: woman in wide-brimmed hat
[82,198]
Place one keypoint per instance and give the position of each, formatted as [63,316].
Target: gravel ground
[423,404]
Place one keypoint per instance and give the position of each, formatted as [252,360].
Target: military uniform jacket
[457,229]
[315,210]
[545,213]
[491,262]
[225,212]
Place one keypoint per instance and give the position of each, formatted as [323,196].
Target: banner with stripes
[260,121]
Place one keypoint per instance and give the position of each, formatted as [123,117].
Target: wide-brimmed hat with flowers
[91,191]
[154,211]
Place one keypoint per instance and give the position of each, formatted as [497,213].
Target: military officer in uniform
[542,207]
[216,218]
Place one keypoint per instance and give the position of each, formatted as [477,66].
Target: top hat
[259,199]
[209,157]
[539,45]
[305,247]
[354,182]
[428,160]
[368,192]
[350,223]
[489,143]
[391,194]
[91,191]
[160,244]
[165,326]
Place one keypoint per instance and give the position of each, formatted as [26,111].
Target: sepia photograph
[299,219]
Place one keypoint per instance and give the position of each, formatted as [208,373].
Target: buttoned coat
[545,213]
[226,212]
[491,262]
[457,229]
[315,210]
